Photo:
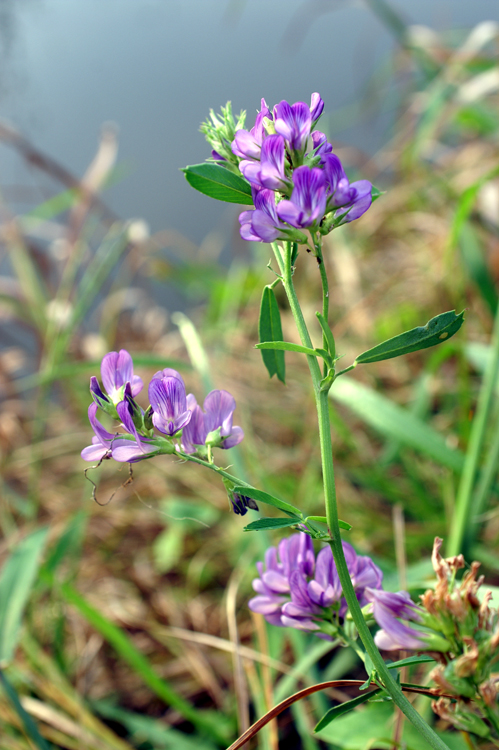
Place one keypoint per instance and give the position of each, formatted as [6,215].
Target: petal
[264,605]
[128,451]
[94,452]
[234,438]
[124,368]
[137,385]
[167,396]
[316,106]
[108,371]
[290,212]
[220,406]
[103,435]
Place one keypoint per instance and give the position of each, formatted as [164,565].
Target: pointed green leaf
[328,334]
[286,346]
[270,330]
[16,581]
[344,708]
[28,722]
[438,329]
[376,193]
[219,183]
[264,497]
[423,659]
[272,523]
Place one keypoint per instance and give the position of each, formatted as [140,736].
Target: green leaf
[29,725]
[438,329]
[323,519]
[376,193]
[264,497]
[270,330]
[16,581]
[410,660]
[286,346]
[219,183]
[328,334]
[395,422]
[272,523]
[344,708]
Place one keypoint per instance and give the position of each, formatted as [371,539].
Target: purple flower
[101,442]
[293,122]
[117,371]
[241,503]
[354,198]
[262,224]
[167,397]
[298,592]
[300,611]
[130,451]
[248,144]
[308,199]
[391,612]
[316,107]
[218,157]
[219,407]
[320,143]
[273,587]
[270,171]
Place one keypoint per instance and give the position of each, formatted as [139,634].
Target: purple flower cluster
[297,182]
[297,590]
[182,425]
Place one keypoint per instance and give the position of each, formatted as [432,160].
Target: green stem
[461,517]
[322,404]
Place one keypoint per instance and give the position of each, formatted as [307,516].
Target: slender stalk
[322,403]
[461,517]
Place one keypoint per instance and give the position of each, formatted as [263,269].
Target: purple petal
[103,435]
[234,438]
[293,123]
[333,170]
[290,213]
[129,451]
[167,396]
[316,107]
[220,406]
[195,432]
[94,452]
[264,605]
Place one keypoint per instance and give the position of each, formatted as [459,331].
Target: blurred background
[136,631]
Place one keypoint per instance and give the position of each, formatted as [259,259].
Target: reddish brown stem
[255,728]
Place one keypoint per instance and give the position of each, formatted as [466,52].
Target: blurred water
[155,67]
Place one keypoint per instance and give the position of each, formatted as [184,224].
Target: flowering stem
[322,404]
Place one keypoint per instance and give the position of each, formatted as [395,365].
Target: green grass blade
[136,660]
[146,729]
[16,581]
[462,523]
[395,422]
[29,725]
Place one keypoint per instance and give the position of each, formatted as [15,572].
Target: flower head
[117,371]
[293,122]
[168,401]
[308,199]
[216,417]
[262,224]
[248,144]
[393,612]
